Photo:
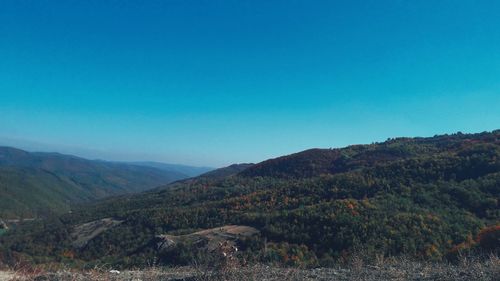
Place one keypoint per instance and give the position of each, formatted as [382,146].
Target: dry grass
[384,269]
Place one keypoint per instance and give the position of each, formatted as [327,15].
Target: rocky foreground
[394,270]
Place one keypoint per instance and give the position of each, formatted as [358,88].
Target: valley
[34,184]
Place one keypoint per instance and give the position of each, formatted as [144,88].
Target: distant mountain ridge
[190,171]
[34,183]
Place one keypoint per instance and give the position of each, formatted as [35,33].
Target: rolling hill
[421,197]
[34,184]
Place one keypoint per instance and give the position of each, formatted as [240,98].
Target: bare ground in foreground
[389,270]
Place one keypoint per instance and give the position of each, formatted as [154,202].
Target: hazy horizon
[96,154]
[211,83]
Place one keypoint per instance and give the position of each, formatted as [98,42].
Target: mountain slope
[422,197]
[227,171]
[315,162]
[32,184]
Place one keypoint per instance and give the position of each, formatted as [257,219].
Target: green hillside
[422,197]
[38,184]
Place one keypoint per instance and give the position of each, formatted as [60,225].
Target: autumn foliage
[489,238]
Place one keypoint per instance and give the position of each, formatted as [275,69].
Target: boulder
[3,225]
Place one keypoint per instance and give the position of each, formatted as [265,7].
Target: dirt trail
[212,237]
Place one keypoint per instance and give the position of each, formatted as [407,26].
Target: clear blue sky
[213,82]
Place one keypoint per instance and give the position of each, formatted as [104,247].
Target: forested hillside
[423,197]
[38,184]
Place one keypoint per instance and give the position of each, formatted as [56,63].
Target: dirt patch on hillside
[83,233]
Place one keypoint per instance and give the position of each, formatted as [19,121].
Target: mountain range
[36,183]
[427,198]
[189,171]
